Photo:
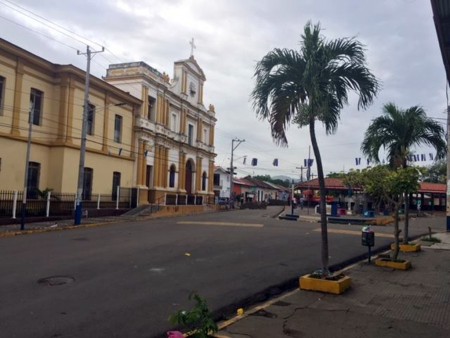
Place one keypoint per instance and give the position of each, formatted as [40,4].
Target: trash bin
[367,236]
[334,209]
[369,213]
[342,212]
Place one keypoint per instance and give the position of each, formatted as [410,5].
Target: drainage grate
[56,280]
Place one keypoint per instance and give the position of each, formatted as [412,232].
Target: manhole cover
[264,313]
[56,280]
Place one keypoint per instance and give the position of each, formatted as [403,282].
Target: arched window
[204,181]
[172,176]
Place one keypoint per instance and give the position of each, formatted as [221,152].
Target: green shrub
[198,320]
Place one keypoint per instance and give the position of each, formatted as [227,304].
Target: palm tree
[308,85]
[398,131]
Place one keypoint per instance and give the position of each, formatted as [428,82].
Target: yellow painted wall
[49,110]
[62,113]
[103,167]
[7,71]
[13,155]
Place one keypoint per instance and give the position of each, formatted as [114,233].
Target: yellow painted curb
[387,263]
[408,247]
[384,220]
[324,285]
[248,312]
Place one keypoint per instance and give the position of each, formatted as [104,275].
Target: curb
[9,234]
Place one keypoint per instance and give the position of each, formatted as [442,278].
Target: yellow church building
[174,131]
[145,131]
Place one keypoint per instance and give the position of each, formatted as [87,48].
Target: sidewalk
[381,303]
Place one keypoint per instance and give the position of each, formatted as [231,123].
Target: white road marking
[227,224]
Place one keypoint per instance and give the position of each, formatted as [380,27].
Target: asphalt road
[124,280]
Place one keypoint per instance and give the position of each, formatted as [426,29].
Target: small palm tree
[398,131]
[311,85]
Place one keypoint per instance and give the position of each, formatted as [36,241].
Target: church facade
[174,132]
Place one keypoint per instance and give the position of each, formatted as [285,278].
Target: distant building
[221,183]
[248,189]
[174,132]
[53,95]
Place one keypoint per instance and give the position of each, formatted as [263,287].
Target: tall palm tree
[398,131]
[308,85]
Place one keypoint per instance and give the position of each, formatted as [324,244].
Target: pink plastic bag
[174,334]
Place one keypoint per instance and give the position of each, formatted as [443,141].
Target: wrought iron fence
[60,204]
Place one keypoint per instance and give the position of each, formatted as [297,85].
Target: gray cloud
[231,36]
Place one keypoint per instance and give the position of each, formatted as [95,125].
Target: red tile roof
[337,184]
[330,184]
[437,188]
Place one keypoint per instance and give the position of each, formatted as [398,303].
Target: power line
[40,33]
[43,20]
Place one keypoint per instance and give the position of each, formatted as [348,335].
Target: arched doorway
[172,172]
[188,178]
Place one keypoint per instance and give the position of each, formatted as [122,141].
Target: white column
[47,209]
[14,205]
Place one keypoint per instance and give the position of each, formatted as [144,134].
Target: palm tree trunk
[323,209]
[406,223]
[396,234]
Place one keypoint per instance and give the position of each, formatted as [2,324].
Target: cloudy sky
[231,36]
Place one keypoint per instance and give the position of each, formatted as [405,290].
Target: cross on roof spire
[193,46]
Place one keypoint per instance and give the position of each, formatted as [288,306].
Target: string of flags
[308,162]
[254,162]
[411,158]
[419,158]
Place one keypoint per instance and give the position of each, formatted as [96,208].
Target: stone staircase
[149,210]
[142,211]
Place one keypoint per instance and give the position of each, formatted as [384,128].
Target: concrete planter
[389,263]
[413,247]
[335,286]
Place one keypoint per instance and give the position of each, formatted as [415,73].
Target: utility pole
[27,160]
[80,186]
[233,148]
[301,172]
